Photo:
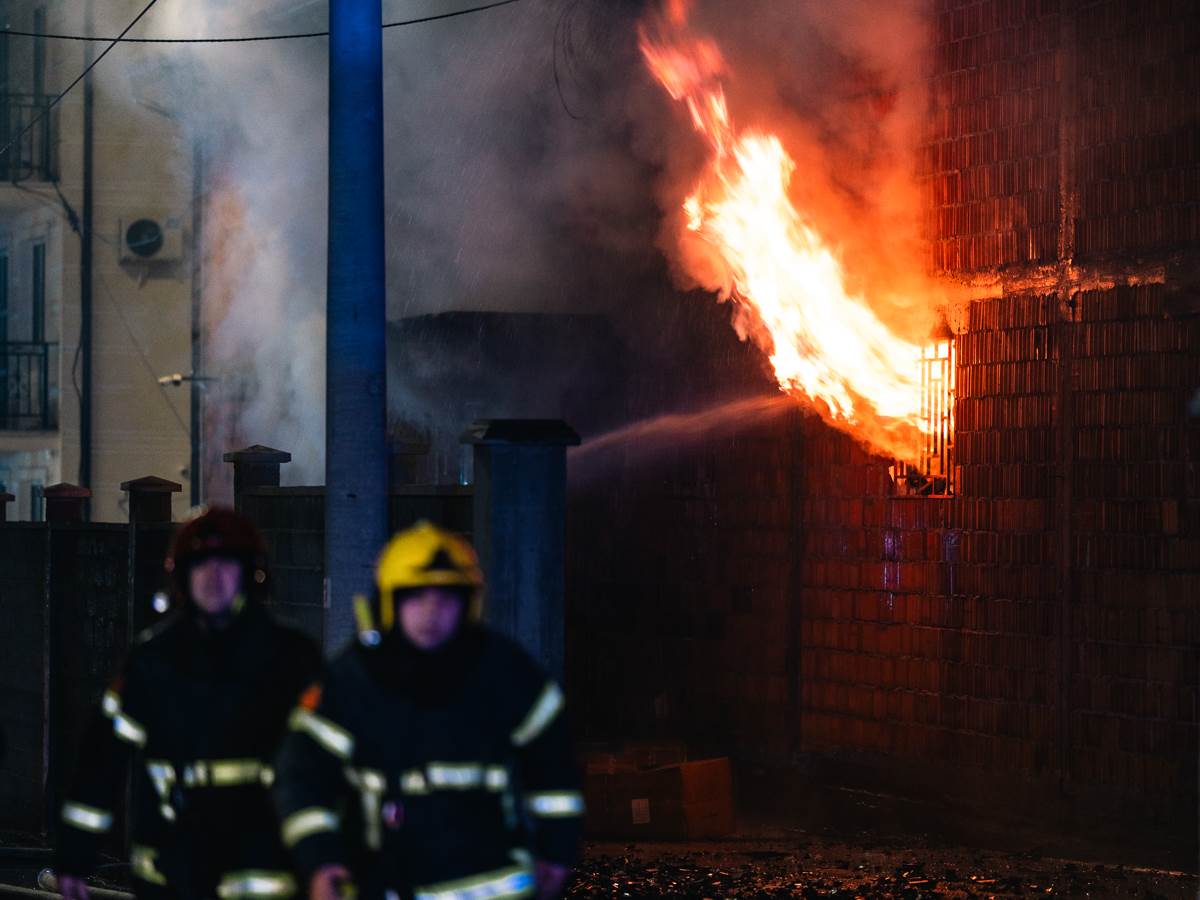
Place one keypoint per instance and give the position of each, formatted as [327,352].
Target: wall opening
[933,473]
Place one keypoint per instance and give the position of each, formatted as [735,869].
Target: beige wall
[141,311]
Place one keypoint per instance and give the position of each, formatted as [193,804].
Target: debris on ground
[815,867]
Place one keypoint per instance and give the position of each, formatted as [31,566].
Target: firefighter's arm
[309,783]
[549,778]
[114,733]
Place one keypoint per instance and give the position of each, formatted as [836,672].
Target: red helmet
[219,532]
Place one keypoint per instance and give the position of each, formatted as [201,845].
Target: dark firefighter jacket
[431,775]
[200,713]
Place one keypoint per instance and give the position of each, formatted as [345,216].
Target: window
[933,473]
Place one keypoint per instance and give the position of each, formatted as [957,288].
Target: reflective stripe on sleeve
[540,715]
[256,883]
[413,782]
[124,726]
[227,773]
[371,785]
[129,730]
[333,738]
[453,776]
[142,862]
[87,818]
[498,885]
[111,704]
[313,820]
[461,776]
[555,804]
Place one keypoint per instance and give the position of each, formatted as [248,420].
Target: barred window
[934,472]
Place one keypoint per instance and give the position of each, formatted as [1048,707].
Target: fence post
[255,466]
[65,503]
[150,499]
[519,529]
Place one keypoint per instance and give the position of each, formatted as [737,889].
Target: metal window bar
[934,473]
[30,396]
[32,157]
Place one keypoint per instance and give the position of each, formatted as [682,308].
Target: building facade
[81,401]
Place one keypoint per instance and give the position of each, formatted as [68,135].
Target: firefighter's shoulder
[502,657]
[162,636]
[529,699]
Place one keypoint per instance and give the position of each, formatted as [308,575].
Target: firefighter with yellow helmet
[432,760]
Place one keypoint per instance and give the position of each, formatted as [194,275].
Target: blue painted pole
[355,378]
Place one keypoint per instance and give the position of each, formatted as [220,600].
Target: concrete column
[520,520]
[150,499]
[255,466]
[5,499]
[66,504]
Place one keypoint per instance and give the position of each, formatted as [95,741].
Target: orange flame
[758,250]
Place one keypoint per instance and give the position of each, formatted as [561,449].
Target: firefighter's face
[214,583]
[430,617]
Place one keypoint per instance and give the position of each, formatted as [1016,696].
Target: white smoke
[256,112]
[490,184]
[527,156]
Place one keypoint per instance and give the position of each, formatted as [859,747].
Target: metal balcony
[32,157]
[28,381]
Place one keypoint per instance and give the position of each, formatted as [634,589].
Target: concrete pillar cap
[64,491]
[257,453]
[151,484]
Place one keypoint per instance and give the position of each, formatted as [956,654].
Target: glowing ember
[758,250]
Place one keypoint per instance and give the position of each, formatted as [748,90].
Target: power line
[249,39]
[121,39]
[53,103]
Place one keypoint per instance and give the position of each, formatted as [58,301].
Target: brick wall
[1135,161]
[993,150]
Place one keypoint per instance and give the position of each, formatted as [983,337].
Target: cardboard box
[684,801]
[631,756]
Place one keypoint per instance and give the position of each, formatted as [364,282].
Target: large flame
[759,250]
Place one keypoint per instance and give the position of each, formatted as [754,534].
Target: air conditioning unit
[150,237]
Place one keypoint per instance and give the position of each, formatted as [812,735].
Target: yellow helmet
[427,556]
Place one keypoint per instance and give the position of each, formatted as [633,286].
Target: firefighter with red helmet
[199,709]
[432,759]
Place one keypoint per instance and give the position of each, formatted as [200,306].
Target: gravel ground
[813,866]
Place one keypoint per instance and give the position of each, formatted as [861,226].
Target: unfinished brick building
[1029,620]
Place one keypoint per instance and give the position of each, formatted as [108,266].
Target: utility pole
[85,269]
[356,487]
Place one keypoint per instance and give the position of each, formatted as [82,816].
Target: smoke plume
[531,161]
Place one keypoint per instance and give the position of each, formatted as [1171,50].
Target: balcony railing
[28,379]
[32,157]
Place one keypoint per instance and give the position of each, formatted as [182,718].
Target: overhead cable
[53,103]
[248,39]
